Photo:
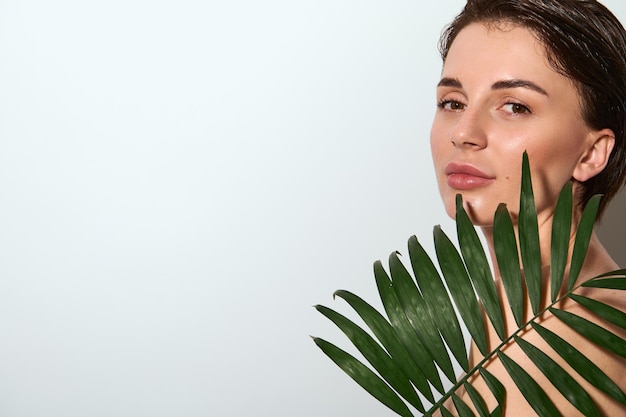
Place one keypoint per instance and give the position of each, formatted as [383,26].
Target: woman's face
[498,97]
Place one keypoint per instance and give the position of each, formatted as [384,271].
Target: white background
[180,182]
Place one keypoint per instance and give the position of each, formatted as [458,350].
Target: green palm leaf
[446,413]
[608,313]
[477,400]
[529,238]
[462,408]
[593,332]
[460,287]
[585,228]
[390,341]
[418,314]
[375,355]
[410,340]
[533,392]
[437,298]
[579,362]
[421,337]
[561,227]
[508,261]
[560,378]
[364,377]
[616,281]
[497,389]
[478,268]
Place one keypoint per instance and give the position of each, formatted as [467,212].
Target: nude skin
[497,97]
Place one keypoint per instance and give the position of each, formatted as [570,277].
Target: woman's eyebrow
[515,83]
[449,82]
[498,85]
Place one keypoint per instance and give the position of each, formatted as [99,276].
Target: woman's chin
[479,213]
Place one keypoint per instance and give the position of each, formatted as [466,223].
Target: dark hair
[584,42]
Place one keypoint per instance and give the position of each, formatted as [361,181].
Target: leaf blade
[389,339]
[608,313]
[497,389]
[608,283]
[508,261]
[461,288]
[529,238]
[418,314]
[477,400]
[364,376]
[561,380]
[533,393]
[401,325]
[592,332]
[438,300]
[375,355]
[462,408]
[478,268]
[561,229]
[583,235]
[581,364]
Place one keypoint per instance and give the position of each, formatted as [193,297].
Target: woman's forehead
[492,53]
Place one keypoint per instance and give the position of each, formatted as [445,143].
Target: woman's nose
[470,130]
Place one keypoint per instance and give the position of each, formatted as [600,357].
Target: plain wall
[180,182]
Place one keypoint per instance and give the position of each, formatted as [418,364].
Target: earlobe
[596,156]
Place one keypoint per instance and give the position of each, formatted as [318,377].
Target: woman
[547,77]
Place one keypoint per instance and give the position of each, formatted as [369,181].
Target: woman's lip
[466,177]
[460,168]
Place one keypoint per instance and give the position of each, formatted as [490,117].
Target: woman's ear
[596,155]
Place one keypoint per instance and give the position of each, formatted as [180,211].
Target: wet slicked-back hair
[584,42]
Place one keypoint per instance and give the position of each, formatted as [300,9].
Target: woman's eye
[451,105]
[516,108]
